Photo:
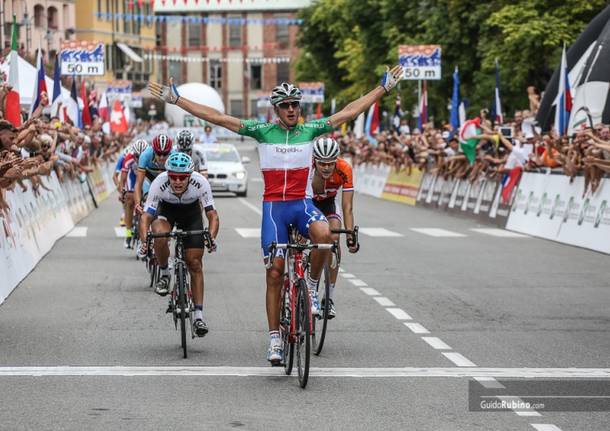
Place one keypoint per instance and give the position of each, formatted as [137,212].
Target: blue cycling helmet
[180,163]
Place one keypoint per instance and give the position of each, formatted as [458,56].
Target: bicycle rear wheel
[303,332]
[182,304]
[318,333]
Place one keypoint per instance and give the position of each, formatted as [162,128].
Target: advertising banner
[82,58]
[401,187]
[370,179]
[550,206]
[420,62]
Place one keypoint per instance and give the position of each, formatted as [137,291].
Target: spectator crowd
[516,144]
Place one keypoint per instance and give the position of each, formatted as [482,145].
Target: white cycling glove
[391,77]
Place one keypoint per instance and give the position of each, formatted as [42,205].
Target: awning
[129,52]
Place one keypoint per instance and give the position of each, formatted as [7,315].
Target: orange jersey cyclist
[331,174]
[285,151]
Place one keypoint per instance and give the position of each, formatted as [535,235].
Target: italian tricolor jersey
[285,156]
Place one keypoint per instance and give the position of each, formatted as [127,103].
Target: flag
[86,115]
[423,108]
[74,111]
[496,110]
[509,182]
[563,102]
[40,85]
[12,108]
[468,142]
[333,106]
[372,123]
[397,113]
[455,101]
[359,126]
[103,108]
[319,111]
[56,87]
[118,122]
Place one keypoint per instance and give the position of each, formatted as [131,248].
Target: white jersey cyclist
[160,191]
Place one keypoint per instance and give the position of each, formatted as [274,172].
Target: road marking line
[384,302]
[436,343]
[527,413]
[490,383]
[416,328]
[379,232]
[78,232]
[438,233]
[249,205]
[546,427]
[247,232]
[347,275]
[370,291]
[399,313]
[120,232]
[458,359]
[499,233]
[567,373]
[356,282]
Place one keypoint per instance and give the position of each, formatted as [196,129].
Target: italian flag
[12,104]
[468,142]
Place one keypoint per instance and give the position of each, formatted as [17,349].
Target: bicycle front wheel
[318,333]
[288,352]
[303,332]
[182,303]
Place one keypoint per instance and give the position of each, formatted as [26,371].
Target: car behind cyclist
[178,197]
[331,174]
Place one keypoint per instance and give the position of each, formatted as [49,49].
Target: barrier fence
[546,205]
[35,221]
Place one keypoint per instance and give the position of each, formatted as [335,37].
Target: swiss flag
[118,122]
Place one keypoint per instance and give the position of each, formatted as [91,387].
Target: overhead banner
[82,58]
[550,206]
[420,62]
[313,92]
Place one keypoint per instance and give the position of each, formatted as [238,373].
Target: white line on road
[384,302]
[120,232]
[438,233]
[459,359]
[379,232]
[356,282]
[370,291]
[546,427]
[527,413]
[499,233]
[416,328]
[490,383]
[568,373]
[247,232]
[256,209]
[436,343]
[347,275]
[399,313]
[78,232]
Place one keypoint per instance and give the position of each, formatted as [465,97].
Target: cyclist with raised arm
[285,153]
[128,180]
[331,174]
[178,197]
[150,164]
[184,144]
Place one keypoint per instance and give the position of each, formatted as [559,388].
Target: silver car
[226,172]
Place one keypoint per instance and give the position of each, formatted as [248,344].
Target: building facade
[128,31]
[241,48]
[41,24]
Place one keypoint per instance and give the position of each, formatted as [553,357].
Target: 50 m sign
[82,58]
[420,62]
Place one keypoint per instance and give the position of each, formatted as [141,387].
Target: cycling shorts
[278,215]
[185,217]
[328,207]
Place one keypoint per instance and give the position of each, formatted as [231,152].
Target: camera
[507,132]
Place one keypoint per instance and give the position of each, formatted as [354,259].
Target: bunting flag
[12,107]
[103,108]
[455,101]
[118,121]
[86,115]
[563,103]
[496,111]
[192,19]
[40,85]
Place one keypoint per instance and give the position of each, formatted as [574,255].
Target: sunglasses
[286,105]
[178,177]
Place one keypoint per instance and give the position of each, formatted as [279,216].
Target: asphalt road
[85,344]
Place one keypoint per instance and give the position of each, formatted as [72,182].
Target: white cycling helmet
[326,149]
[138,147]
[285,91]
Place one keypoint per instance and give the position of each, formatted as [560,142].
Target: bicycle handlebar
[274,247]
[207,238]
[353,232]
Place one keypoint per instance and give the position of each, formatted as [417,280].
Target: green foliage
[348,43]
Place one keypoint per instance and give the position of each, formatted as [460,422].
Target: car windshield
[221,155]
